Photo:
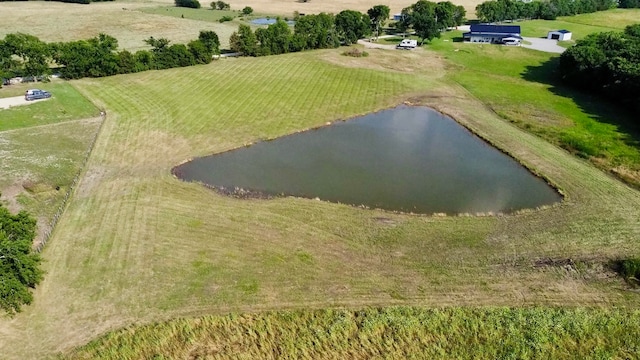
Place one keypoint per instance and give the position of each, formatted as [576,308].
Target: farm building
[494,34]
[561,35]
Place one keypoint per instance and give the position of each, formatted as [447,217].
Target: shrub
[630,268]
[225,18]
[247,10]
[220,5]
[354,52]
[194,4]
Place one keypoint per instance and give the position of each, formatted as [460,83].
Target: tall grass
[390,333]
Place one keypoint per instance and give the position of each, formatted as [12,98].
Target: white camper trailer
[407,44]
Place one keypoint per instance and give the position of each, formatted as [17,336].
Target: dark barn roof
[496,29]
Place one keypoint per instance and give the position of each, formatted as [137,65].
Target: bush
[225,18]
[630,268]
[247,10]
[193,4]
[354,52]
[220,5]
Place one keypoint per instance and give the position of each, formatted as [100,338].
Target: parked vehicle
[35,94]
[407,44]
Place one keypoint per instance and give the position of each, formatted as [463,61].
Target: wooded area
[607,64]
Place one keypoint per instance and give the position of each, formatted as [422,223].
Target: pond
[408,159]
[270,21]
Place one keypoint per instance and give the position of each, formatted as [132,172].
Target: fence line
[63,205]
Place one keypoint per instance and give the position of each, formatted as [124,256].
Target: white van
[407,44]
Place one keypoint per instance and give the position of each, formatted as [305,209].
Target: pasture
[137,246]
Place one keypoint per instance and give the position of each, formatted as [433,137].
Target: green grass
[583,24]
[202,14]
[394,333]
[66,103]
[519,85]
[137,245]
[39,164]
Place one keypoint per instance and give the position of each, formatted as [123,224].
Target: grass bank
[393,332]
[520,86]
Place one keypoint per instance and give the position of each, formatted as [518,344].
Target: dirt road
[6,103]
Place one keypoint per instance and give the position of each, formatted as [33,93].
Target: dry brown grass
[54,21]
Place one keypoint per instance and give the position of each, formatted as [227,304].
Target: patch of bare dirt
[9,197]
[413,61]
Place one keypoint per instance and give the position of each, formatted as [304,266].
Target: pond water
[410,159]
[269,21]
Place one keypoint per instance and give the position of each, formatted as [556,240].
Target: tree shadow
[596,107]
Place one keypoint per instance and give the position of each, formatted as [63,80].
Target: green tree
[221,5]
[275,39]
[194,4]
[210,40]
[244,41]
[247,10]
[352,25]
[378,15]
[19,264]
[421,16]
[315,32]
[445,11]
[33,54]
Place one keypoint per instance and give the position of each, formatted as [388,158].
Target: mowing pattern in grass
[66,103]
[203,14]
[39,164]
[390,333]
[137,245]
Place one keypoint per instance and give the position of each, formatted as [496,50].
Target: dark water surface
[410,159]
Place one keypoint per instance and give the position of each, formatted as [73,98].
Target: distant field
[202,14]
[287,7]
[583,24]
[137,246]
[54,21]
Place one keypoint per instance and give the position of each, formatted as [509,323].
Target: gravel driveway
[6,103]
[545,45]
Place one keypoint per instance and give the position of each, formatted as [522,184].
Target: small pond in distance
[410,159]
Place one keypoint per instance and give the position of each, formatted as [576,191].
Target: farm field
[137,247]
[54,21]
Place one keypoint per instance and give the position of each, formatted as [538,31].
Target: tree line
[26,55]
[501,10]
[607,64]
[19,264]
[324,31]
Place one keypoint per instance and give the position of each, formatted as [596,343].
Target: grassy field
[136,245]
[391,333]
[54,21]
[202,14]
[519,85]
[39,164]
[65,104]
